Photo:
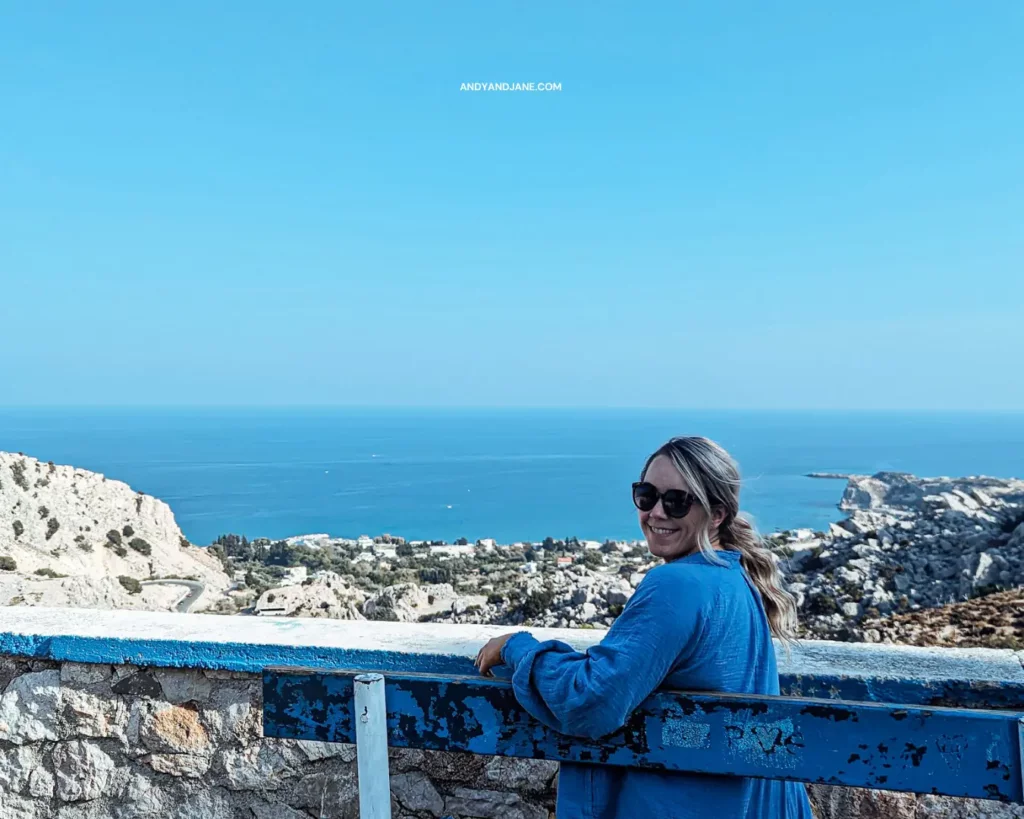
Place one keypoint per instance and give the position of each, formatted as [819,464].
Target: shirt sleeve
[591,694]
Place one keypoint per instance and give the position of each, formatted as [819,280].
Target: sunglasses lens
[645,496]
[676,503]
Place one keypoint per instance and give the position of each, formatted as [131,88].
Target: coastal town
[930,561]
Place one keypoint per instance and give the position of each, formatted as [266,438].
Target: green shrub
[114,537]
[8,564]
[537,603]
[127,531]
[51,527]
[131,585]
[823,604]
[43,513]
[18,470]
[141,546]
[48,572]
[19,528]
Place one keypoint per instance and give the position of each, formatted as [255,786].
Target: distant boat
[449,506]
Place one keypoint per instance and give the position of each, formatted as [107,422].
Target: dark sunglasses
[675,502]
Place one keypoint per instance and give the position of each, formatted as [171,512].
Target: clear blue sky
[796,204]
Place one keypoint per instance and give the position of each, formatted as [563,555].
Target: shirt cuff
[516,647]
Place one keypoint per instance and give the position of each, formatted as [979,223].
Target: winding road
[195,588]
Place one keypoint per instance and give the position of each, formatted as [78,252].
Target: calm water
[511,475]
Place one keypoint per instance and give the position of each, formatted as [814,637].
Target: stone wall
[82,741]
[96,741]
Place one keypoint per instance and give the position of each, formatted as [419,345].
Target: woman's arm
[592,694]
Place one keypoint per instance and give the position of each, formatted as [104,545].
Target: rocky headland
[70,537]
[908,545]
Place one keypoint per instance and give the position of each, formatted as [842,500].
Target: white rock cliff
[67,535]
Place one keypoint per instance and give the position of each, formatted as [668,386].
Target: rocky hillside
[69,537]
[907,544]
[993,621]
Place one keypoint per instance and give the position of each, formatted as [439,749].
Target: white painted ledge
[251,644]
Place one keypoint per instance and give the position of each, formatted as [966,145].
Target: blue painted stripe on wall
[255,657]
[226,656]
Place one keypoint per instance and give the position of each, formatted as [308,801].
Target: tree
[438,575]
[281,553]
[462,542]
[404,550]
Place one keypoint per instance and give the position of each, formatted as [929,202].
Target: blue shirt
[691,625]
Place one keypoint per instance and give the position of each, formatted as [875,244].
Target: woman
[702,621]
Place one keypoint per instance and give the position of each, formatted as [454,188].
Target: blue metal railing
[893,746]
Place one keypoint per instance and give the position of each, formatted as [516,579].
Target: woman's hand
[490,655]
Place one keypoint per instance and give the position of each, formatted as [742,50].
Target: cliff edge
[70,537]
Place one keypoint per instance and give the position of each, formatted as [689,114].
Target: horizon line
[513,408]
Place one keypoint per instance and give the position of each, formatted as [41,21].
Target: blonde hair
[714,480]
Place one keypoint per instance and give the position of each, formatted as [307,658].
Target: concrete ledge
[965,677]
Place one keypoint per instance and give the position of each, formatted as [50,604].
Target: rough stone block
[492,805]
[174,729]
[182,686]
[16,767]
[28,708]
[83,714]
[414,791]
[85,772]
[190,766]
[333,794]
[529,775]
[84,674]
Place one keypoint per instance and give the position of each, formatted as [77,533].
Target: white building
[453,551]
[529,568]
[309,541]
[591,545]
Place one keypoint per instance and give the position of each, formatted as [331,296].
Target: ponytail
[736,534]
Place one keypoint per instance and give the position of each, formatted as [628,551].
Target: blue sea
[510,475]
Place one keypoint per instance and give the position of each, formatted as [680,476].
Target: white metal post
[372,747]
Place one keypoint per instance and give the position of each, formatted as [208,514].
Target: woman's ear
[718,515]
